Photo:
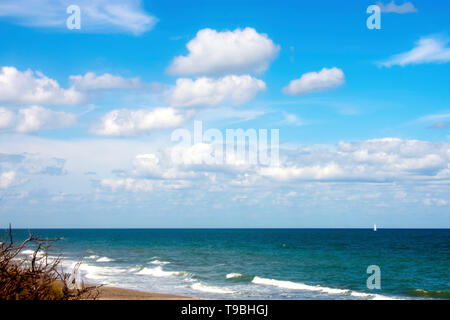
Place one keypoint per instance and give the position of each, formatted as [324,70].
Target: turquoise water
[261,263]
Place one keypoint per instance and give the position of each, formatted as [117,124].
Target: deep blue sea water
[261,263]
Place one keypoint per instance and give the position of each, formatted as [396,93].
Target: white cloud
[96,15]
[317,172]
[28,87]
[309,82]
[125,122]
[208,92]
[382,160]
[291,119]
[435,202]
[147,163]
[129,184]
[142,185]
[434,117]
[228,52]
[91,81]
[34,118]
[150,165]
[427,50]
[390,171]
[7,178]
[7,118]
[406,7]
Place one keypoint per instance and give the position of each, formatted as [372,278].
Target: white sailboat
[374,227]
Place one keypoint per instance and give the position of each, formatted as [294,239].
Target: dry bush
[38,277]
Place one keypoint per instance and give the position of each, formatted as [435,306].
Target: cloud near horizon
[131,173]
[383,160]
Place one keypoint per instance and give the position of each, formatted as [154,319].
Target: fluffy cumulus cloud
[427,50]
[33,119]
[406,7]
[97,15]
[382,160]
[240,51]
[92,81]
[325,79]
[208,92]
[125,122]
[7,118]
[378,161]
[28,87]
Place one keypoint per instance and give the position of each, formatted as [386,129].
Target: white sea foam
[39,255]
[297,286]
[233,275]
[360,294]
[372,296]
[31,252]
[93,257]
[135,269]
[159,272]
[210,289]
[301,286]
[102,274]
[104,259]
[159,263]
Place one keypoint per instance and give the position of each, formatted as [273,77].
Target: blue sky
[86,116]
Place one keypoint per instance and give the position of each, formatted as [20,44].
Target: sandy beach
[112,293]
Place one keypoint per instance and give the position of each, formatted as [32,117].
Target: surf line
[209,311]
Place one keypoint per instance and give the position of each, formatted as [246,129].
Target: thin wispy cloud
[435,117]
[291,119]
[103,16]
[439,125]
[427,50]
[392,7]
[436,121]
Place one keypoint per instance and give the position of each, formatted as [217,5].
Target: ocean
[260,263]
